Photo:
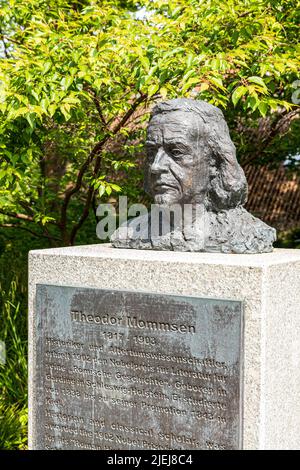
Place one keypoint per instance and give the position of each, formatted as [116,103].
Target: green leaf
[66,82]
[204,87]
[263,108]
[51,109]
[30,117]
[217,82]
[116,187]
[46,67]
[191,82]
[65,108]
[238,93]
[264,68]
[252,102]
[102,189]
[189,61]
[163,92]
[152,90]
[145,63]
[35,95]
[258,80]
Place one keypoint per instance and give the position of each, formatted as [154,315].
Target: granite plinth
[268,286]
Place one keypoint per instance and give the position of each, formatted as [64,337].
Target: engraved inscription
[131,370]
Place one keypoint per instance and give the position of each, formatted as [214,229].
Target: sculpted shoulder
[238,231]
[232,231]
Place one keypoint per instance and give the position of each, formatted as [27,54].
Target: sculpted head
[191,158]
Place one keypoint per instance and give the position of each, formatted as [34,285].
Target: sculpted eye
[175,152]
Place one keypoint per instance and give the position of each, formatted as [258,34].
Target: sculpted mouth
[161,186]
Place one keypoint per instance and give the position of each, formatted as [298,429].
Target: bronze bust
[192,171]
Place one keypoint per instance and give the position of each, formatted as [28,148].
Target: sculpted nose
[159,163]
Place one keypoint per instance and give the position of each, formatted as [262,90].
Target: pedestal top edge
[105,250]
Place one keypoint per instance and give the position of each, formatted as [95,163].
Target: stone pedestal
[267,286]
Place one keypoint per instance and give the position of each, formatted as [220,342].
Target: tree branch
[39,235]
[27,207]
[17,216]
[63,219]
[94,206]
[129,113]
[96,100]
[246,13]
[83,217]
[14,41]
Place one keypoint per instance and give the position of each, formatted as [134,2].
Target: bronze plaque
[136,370]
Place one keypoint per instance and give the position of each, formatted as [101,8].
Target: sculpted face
[177,165]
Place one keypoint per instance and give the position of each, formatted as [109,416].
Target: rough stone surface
[191,163]
[269,286]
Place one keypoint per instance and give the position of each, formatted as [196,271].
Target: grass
[13,374]
[14,247]
[13,427]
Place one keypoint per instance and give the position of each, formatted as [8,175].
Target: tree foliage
[77,80]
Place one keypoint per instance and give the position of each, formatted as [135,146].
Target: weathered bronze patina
[192,172]
[134,370]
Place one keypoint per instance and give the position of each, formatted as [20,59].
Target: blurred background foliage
[77,81]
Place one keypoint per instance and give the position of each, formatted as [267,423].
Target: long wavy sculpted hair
[227,186]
